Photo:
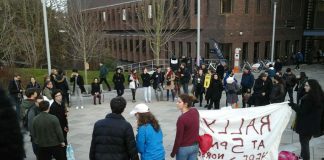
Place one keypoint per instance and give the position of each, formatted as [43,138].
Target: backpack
[25,118]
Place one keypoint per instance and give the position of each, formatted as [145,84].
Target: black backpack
[25,118]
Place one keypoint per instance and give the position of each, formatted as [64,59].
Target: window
[125,44]
[270,6]
[207,7]
[166,47]
[246,9]
[180,48]
[207,48]
[137,45]
[130,14]
[144,46]
[149,15]
[256,51]
[226,6]
[196,7]
[296,47]
[258,6]
[277,50]
[188,48]
[186,8]
[124,14]
[173,46]
[267,50]
[104,16]
[287,47]
[131,45]
[291,6]
[245,51]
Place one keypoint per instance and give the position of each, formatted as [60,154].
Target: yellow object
[207,80]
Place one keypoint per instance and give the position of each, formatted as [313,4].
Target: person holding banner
[186,141]
[309,120]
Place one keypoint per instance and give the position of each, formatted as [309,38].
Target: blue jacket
[247,80]
[149,143]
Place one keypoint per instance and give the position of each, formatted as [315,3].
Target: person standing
[26,104]
[146,79]
[61,83]
[309,115]
[59,110]
[199,86]
[96,91]
[231,92]
[278,65]
[113,136]
[246,84]
[301,80]
[47,91]
[278,90]
[47,134]
[12,140]
[184,78]
[169,78]
[77,79]
[133,83]
[299,59]
[259,91]
[119,80]
[290,80]
[33,84]
[149,138]
[220,70]
[158,79]
[16,93]
[103,72]
[187,133]
[215,90]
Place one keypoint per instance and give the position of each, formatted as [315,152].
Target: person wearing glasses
[58,109]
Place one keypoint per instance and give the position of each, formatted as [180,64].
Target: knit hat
[140,108]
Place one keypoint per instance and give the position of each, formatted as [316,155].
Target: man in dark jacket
[77,79]
[246,83]
[158,80]
[61,83]
[119,80]
[15,91]
[58,109]
[113,137]
[290,81]
[103,72]
[184,77]
[278,65]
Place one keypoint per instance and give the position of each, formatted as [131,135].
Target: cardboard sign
[207,80]
[244,134]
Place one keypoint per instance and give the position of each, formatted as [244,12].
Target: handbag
[286,155]
[69,152]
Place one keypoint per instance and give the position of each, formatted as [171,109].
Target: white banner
[244,134]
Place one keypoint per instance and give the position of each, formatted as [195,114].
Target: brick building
[245,24]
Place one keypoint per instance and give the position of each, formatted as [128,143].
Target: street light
[46,38]
[198,34]
[273,28]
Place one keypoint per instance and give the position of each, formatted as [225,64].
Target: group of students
[113,136]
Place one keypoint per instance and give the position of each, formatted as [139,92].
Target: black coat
[146,79]
[61,83]
[119,80]
[14,90]
[257,98]
[113,138]
[95,87]
[308,120]
[215,90]
[78,80]
[31,85]
[278,93]
[60,112]
[186,76]
[157,78]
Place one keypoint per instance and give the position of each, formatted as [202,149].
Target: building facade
[245,24]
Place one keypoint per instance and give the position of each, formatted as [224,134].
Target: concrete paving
[81,121]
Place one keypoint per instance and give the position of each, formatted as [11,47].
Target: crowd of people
[44,112]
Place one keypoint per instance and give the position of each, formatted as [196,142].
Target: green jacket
[46,130]
[48,93]
[25,105]
[103,71]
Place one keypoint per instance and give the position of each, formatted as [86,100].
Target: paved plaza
[81,121]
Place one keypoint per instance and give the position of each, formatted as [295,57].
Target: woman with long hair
[309,114]
[119,80]
[216,88]
[169,78]
[278,93]
[96,91]
[186,141]
[149,138]
[133,83]
[301,80]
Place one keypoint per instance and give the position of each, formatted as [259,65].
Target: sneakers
[133,101]
[76,107]
[82,107]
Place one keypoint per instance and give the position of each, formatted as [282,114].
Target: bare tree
[162,20]
[84,38]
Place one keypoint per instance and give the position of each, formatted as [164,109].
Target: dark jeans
[215,102]
[290,93]
[95,98]
[172,93]
[304,142]
[120,92]
[185,88]
[46,153]
[244,90]
[133,94]
[200,96]
[297,65]
[105,80]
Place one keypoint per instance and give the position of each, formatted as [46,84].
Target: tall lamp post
[198,34]
[273,28]
[46,38]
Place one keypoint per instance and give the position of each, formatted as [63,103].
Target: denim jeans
[188,153]
[185,88]
[304,142]
[157,90]
[147,94]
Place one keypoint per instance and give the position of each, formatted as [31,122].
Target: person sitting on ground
[96,91]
